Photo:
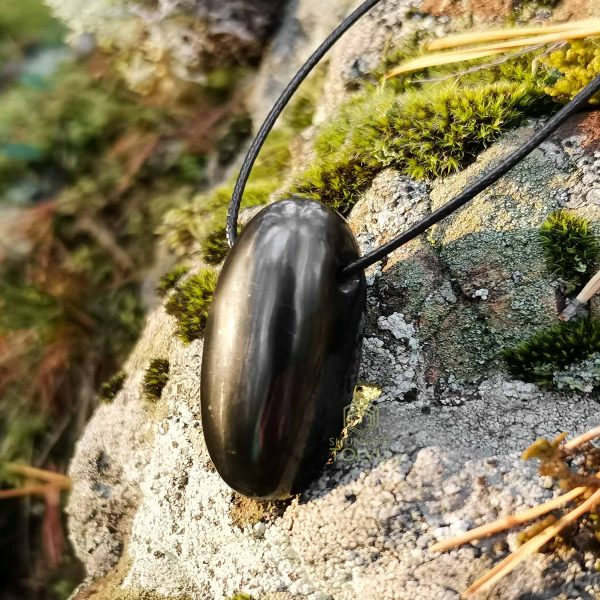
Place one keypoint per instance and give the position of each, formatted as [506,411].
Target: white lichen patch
[395,362]
[582,377]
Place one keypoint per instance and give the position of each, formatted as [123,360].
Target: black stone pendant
[281,349]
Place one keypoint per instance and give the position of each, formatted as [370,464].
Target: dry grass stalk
[590,289]
[507,522]
[555,456]
[582,439]
[437,60]
[49,477]
[28,490]
[466,39]
[531,547]
[502,41]
[39,482]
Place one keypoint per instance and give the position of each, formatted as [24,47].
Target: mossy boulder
[479,281]
[451,416]
[432,346]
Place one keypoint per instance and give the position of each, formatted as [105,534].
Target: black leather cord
[465,196]
[261,136]
[482,183]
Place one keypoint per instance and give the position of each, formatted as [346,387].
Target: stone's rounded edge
[282,339]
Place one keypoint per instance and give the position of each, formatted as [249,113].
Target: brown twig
[507,522]
[531,547]
[49,477]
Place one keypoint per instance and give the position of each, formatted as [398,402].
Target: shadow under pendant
[282,349]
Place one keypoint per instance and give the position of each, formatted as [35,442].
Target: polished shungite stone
[281,349]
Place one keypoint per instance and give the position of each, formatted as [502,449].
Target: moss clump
[155,378]
[571,249]
[214,247]
[170,279]
[112,387]
[424,133]
[576,65]
[537,358]
[241,596]
[190,303]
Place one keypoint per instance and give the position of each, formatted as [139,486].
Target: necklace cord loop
[282,101]
[457,202]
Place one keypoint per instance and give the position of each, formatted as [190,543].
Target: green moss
[204,221]
[25,305]
[571,249]
[190,303]
[241,596]
[300,112]
[429,124]
[576,65]
[424,133]
[112,387]
[239,130]
[537,358]
[214,247]
[119,317]
[170,279]
[29,21]
[155,378]
[21,429]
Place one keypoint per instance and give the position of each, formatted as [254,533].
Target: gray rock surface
[303,27]
[359,53]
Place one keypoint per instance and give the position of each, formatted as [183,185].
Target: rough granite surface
[149,513]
